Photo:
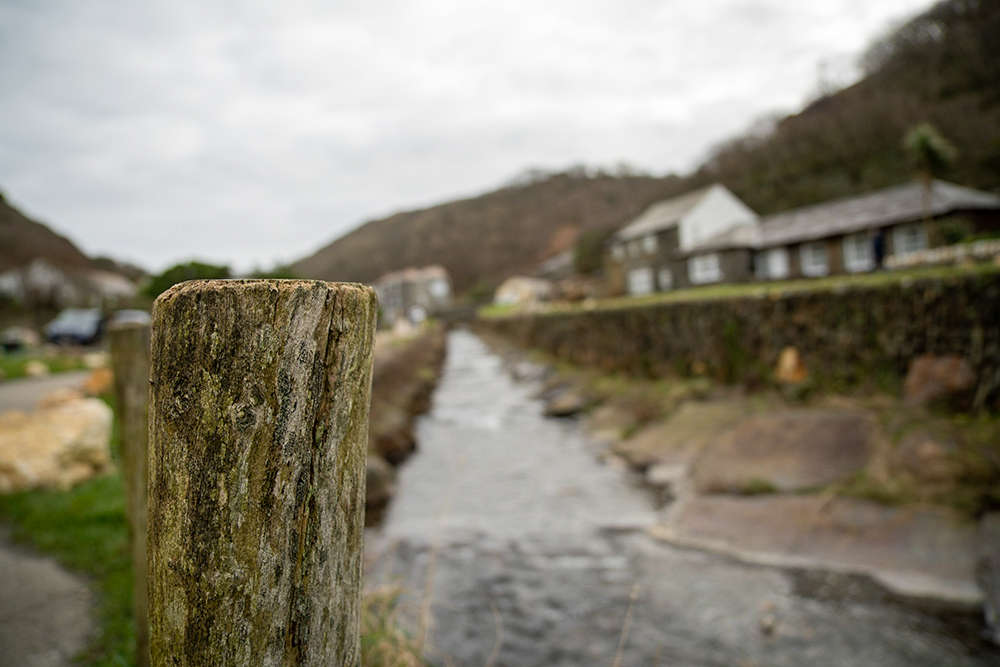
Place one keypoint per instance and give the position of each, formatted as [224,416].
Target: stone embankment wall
[845,337]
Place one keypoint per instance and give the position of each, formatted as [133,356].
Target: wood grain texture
[258,433]
[130,361]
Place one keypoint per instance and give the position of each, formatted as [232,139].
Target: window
[618,251]
[777,263]
[704,269]
[760,264]
[666,279]
[858,253]
[812,258]
[649,244]
[439,288]
[640,281]
[908,239]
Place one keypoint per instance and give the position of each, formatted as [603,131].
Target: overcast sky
[254,131]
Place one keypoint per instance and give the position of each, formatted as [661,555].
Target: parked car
[76,325]
[130,316]
[15,338]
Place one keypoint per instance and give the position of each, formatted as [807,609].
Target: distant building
[414,294]
[557,267]
[522,290]
[709,236]
[667,246]
[40,283]
[859,233]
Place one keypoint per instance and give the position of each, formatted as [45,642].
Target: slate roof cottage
[853,234]
[659,250]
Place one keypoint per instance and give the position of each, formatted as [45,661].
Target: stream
[517,547]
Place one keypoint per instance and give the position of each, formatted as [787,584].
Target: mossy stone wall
[846,337]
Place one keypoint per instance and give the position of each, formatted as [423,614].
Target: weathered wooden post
[258,434]
[130,361]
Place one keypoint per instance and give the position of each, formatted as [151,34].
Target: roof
[427,273]
[888,206]
[740,236]
[662,215]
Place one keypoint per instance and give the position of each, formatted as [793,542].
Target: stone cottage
[669,244]
[413,293]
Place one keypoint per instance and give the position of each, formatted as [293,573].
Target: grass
[12,365]
[383,643]
[773,289]
[86,530]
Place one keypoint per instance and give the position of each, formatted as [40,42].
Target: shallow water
[537,550]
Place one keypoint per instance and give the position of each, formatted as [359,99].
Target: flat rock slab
[45,615]
[922,552]
[792,450]
[680,438]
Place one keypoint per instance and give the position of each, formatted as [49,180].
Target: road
[45,611]
[23,393]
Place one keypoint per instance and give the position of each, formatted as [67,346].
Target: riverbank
[859,484]
[516,543]
[406,370]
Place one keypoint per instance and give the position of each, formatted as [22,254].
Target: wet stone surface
[533,542]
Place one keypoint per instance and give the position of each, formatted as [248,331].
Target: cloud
[249,131]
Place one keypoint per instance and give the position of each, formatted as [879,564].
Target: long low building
[856,234]
[847,235]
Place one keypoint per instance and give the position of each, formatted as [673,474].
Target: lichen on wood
[259,403]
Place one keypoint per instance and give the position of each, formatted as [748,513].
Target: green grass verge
[86,530]
[754,290]
[12,365]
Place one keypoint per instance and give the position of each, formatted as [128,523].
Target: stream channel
[508,527]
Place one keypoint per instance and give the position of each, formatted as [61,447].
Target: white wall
[718,211]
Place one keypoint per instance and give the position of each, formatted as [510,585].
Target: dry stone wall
[845,337]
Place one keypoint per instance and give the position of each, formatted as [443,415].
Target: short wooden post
[130,361]
[258,434]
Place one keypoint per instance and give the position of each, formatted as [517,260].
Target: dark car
[76,325]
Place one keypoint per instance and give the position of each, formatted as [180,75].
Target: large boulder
[63,442]
[931,377]
[793,450]
[679,439]
[566,404]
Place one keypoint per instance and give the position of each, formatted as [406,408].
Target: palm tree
[931,154]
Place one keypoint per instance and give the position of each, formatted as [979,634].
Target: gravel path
[23,393]
[45,611]
[45,616]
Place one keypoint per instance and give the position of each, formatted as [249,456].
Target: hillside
[490,237]
[23,239]
[942,67]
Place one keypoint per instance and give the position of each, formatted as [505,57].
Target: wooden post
[130,362]
[258,435]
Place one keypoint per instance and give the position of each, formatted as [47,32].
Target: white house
[679,242]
